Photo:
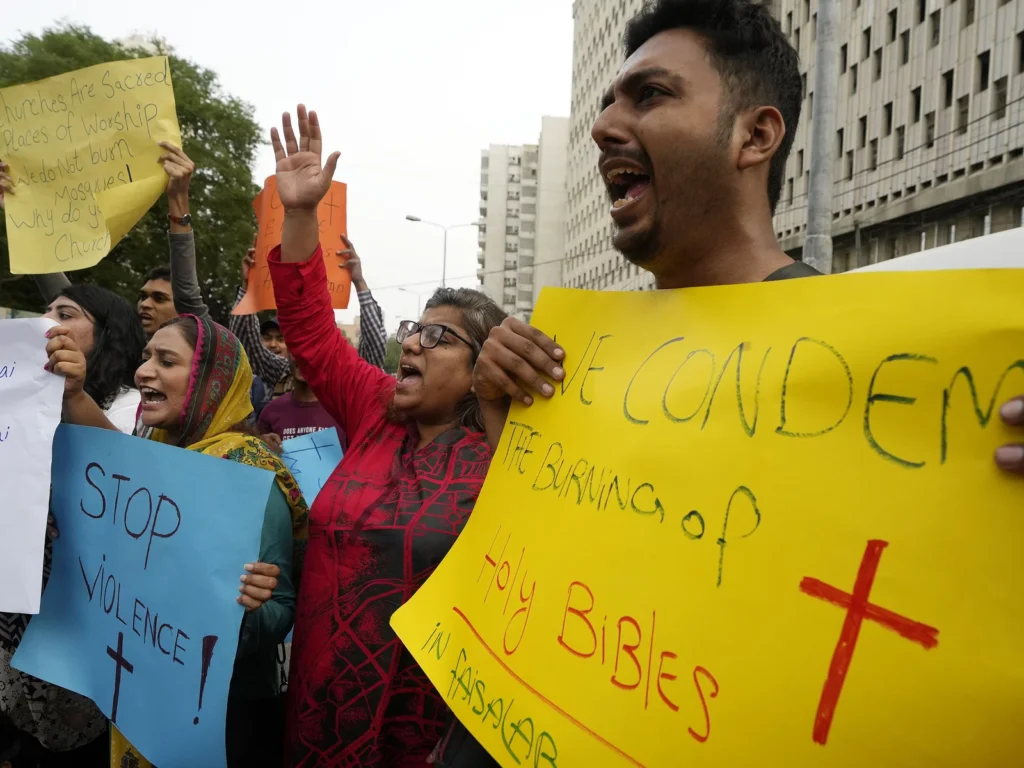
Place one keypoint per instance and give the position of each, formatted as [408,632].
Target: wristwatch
[184,221]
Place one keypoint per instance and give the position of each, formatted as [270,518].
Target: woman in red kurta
[416,460]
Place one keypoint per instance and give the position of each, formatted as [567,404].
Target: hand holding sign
[258,584]
[179,169]
[5,184]
[66,359]
[1011,457]
[517,352]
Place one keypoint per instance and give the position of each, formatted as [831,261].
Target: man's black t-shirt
[458,748]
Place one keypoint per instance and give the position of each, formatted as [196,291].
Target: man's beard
[639,248]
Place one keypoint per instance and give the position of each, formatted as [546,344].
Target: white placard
[30,409]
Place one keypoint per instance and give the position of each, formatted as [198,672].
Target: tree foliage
[392,355]
[219,134]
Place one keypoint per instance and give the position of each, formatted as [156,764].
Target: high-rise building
[929,140]
[930,127]
[522,208]
[590,260]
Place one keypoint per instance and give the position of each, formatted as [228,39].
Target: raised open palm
[301,180]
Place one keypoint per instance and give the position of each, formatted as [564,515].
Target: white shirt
[121,412]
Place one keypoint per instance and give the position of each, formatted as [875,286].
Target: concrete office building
[929,141]
[522,209]
[590,260]
[930,131]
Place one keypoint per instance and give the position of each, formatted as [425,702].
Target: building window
[814,28]
[947,89]
[878,64]
[853,78]
[807,9]
[929,130]
[999,99]
[810,104]
[922,9]
[839,144]
[800,163]
[1020,53]
[865,49]
[968,13]
[915,105]
[952,233]
[803,86]
[963,110]
[842,59]
[789,191]
[905,47]
[796,39]
[892,26]
[789,23]
[983,70]
[887,119]
[849,165]
[862,132]
[935,27]
[873,151]
[901,133]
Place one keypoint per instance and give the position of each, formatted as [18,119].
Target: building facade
[522,210]
[929,140]
[590,260]
[930,126]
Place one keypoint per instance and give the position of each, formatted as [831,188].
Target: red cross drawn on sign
[857,609]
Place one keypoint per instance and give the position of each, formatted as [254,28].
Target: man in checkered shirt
[271,364]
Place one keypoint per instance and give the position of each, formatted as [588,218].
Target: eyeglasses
[430,334]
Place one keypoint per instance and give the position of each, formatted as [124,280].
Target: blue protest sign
[311,459]
[140,612]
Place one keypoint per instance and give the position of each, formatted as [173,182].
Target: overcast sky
[409,92]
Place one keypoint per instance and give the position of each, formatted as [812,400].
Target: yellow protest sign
[82,150]
[756,525]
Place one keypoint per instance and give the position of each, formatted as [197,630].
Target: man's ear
[762,130]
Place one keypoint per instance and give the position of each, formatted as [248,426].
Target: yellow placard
[82,150]
[756,525]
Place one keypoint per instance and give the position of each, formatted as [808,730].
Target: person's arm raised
[270,368]
[349,389]
[514,362]
[188,297]
[301,183]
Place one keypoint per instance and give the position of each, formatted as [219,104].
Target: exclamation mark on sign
[208,642]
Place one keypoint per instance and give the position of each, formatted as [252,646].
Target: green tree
[219,134]
[392,355]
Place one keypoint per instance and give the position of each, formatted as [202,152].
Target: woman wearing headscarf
[194,381]
[392,509]
[55,723]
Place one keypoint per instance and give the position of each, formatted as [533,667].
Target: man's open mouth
[626,185]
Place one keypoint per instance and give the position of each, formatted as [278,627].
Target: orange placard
[259,294]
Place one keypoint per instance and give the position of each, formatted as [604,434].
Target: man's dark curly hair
[118,341]
[747,47]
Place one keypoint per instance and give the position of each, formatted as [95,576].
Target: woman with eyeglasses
[416,460]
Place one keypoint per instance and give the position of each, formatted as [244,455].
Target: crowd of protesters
[693,135]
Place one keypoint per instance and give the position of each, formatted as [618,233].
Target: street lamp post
[444,263]
[419,301]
